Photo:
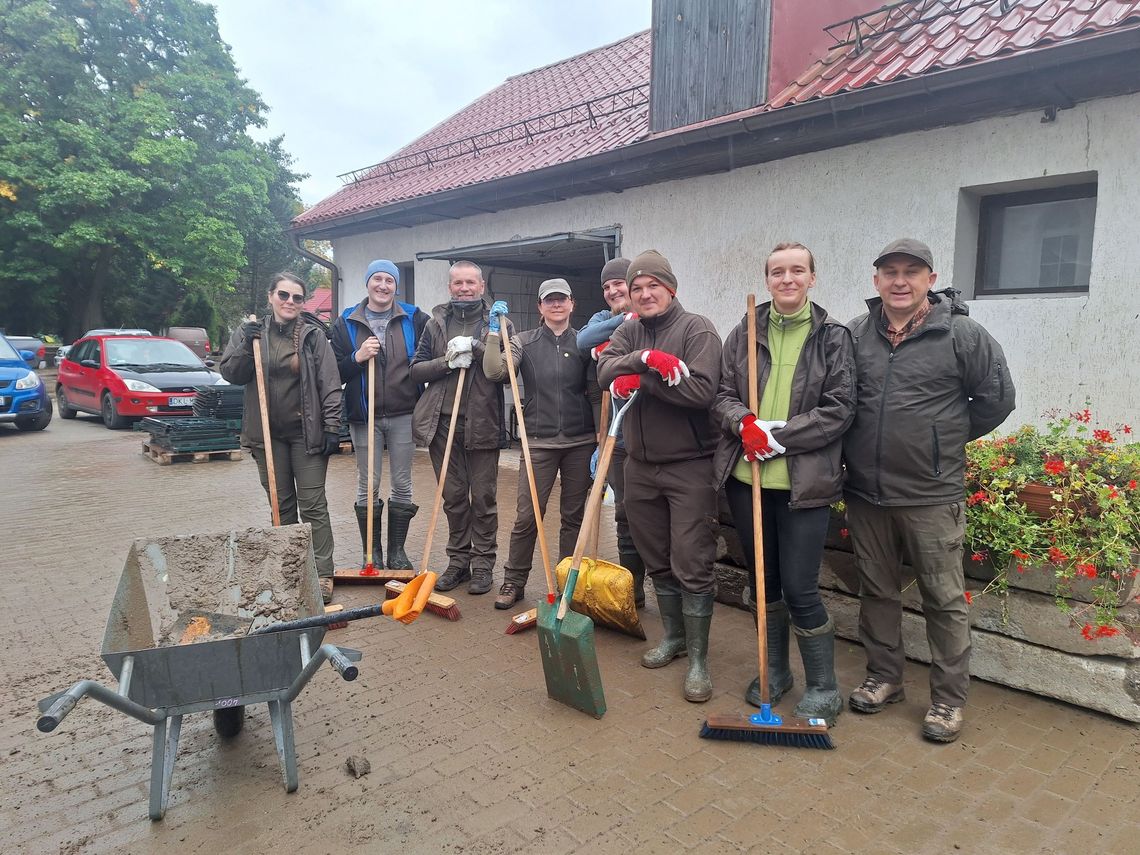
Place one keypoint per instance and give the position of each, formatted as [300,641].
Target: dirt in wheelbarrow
[258,574]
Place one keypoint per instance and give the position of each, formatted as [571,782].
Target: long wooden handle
[757,514]
[371,455]
[270,472]
[443,469]
[603,429]
[550,590]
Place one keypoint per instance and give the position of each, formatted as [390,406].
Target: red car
[126,377]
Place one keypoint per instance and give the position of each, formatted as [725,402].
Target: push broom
[764,727]
[529,618]
[370,572]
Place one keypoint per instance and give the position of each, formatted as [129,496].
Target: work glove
[460,360]
[757,439]
[251,330]
[330,444]
[594,464]
[460,345]
[671,369]
[498,309]
[596,351]
[628,316]
[625,385]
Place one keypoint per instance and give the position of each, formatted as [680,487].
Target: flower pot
[1038,500]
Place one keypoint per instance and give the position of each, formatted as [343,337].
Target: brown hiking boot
[509,594]
[481,580]
[943,723]
[326,585]
[874,694]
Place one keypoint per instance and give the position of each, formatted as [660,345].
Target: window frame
[1001,201]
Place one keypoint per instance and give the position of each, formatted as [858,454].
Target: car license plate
[178,401]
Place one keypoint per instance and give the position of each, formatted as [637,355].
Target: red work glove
[625,385]
[671,369]
[756,437]
[596,351]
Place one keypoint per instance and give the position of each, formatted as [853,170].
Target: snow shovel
[370,572]
[550,589]
[566,638]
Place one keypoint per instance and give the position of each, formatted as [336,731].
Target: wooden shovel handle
[263,405]
[443,469]
[371,457]
[604,428]
[757,511]
[510,359]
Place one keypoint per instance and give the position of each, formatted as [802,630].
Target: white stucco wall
[846,204]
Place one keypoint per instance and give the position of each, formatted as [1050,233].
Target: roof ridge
[575,56]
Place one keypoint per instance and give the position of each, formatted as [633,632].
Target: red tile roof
[320,303]
[591,103]
[598,101]
[920,36]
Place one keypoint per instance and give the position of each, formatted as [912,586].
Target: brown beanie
[652,263]
[615,269]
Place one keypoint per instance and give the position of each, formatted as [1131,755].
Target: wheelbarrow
[191,629]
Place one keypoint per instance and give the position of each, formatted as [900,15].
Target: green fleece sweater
[786,337]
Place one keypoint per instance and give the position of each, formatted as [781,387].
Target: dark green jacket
[822,405]
[921,402]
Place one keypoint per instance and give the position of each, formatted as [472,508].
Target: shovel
[271,475]
[566,638]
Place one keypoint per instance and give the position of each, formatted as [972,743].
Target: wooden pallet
[346,447]
[164,458]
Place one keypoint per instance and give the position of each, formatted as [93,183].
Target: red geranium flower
[1086,570]
[1087,631]
[979,556]
[1103,436]
[1112,493]
[1057,556]
[1106,631]
[1132,484]
[1018,554]
[1054,467]
[975,498]
[1085,416]
[1126,428]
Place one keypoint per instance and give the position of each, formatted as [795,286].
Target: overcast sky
[348,82]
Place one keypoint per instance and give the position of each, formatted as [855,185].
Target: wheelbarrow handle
[58,711]
[56,708]
[321,620]
[345,668]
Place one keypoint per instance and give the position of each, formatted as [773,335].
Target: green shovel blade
[570,661]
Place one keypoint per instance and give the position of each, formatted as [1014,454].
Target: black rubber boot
[399,518]
[377,523]
[632,562]
[697,610]
[821,696]
[779,665]
[673,643]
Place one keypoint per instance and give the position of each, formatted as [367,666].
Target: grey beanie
[615,269]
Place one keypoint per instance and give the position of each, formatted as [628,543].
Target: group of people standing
[876,412]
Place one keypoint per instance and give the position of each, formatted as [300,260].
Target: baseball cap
[554,286]
[907,246]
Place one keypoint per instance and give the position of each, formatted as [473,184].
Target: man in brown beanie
[672,357]
[593,339]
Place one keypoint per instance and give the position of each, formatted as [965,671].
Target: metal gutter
[333,270]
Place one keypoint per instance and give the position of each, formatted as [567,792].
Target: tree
[128,181]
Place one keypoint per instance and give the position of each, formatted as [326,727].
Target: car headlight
[29,381]
[139,386]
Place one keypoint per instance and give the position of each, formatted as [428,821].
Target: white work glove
[460,346]
[757,439]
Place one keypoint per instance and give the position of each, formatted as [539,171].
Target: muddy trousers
[469,499]
[671,509]
[573,464]
[393,433]
[793,550]
[931,537]
[301,489]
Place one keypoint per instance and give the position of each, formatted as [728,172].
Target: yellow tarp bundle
[604,593]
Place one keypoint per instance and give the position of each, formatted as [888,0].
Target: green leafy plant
[1093,530]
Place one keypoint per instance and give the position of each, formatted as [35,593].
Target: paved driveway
[467,753]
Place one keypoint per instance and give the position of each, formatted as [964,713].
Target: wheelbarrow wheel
[228,722]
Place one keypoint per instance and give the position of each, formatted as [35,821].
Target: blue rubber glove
[498,309]
[594,464]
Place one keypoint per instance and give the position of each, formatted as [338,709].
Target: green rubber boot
[632,562]
[821,697]
[697,610]
[673,643]
[399,518]
[779,666]
[377,523]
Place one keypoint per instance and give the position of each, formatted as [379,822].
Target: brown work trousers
[469,500]
[574,466]
[671,508]
[300,480]
[931,538]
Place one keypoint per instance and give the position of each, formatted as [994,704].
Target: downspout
[334,271]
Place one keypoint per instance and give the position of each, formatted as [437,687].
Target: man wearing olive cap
[929,380]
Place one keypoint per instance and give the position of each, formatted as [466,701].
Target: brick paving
[467,752]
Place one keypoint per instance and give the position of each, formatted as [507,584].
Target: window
[1037,241]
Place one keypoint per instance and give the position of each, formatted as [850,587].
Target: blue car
[23,398]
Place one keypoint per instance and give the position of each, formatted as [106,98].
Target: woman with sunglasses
[304,401]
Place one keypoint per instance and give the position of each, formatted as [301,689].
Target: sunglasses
[285,297]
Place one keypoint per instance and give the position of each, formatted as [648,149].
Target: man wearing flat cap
[559,428]
[929,380]
[672,358]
